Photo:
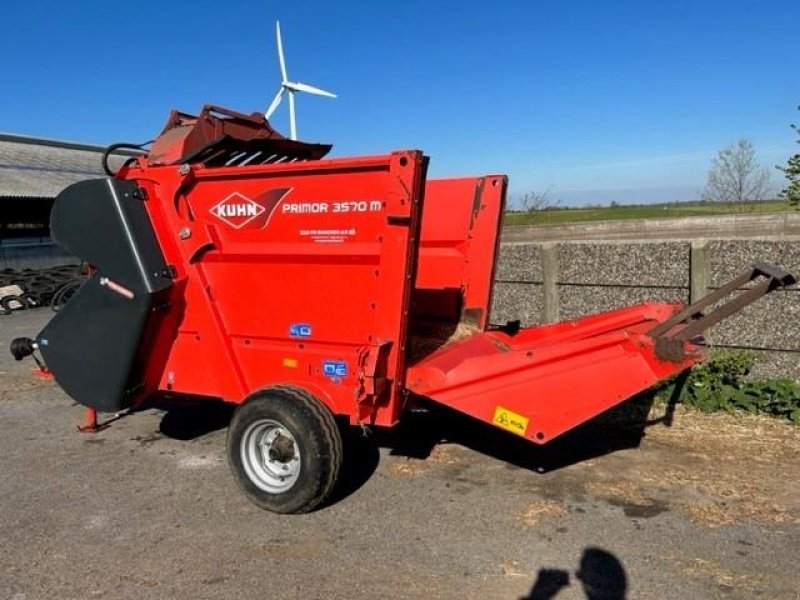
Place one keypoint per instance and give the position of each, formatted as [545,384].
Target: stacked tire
[22,289]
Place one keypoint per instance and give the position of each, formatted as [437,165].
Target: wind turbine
[291,87]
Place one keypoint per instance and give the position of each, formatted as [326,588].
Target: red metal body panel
[458,249]
[294,273]
[546,380]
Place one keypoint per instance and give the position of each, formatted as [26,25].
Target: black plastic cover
[94,343]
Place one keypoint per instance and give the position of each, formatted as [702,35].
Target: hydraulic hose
[113,147]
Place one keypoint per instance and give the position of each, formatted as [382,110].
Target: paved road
[707,508]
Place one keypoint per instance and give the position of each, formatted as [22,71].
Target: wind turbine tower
[290,88]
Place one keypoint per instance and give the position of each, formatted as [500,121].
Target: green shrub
[721,384]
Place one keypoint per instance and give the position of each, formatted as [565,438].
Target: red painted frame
[246,290]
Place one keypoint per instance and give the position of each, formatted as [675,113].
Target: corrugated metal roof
[37,167]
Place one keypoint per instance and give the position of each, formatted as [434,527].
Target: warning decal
[510,421]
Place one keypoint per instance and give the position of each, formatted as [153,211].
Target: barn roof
[38,167]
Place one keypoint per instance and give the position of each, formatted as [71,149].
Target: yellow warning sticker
[510,421]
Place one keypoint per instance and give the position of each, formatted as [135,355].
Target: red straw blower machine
[230,262]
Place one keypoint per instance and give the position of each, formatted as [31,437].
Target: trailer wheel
[285,449]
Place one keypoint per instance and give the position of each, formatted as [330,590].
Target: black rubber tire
[319,444]
[7,301]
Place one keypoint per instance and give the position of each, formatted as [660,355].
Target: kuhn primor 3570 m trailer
[233,263]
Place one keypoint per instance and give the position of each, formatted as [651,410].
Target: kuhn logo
[237,210]
[241,212]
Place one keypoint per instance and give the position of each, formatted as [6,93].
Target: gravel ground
[442,508]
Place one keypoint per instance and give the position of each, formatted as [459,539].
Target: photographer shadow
[601,575]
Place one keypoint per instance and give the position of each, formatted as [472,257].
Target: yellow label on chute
[510,421]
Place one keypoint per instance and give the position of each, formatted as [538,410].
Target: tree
[736,177]
[533,201]
[791,193]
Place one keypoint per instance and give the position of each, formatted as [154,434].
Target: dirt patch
[510,568]
[542,508]
[710,515]
[625,491]
[408,466]
[13,384]
[735,436]
[718,469]
[288,549]
[444,454]
[723,577]
[628,496]
[740,471]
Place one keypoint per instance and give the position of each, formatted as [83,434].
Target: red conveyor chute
[546,380]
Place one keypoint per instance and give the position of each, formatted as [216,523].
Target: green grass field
[562,216]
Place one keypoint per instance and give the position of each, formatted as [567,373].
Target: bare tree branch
[736,177]
[533,201]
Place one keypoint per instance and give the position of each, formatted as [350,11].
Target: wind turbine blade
[275,102]
[281,60]
[309,89]
[292,119]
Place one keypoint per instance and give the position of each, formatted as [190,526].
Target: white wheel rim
[267,463]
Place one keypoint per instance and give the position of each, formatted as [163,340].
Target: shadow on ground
[187,419]
[620,428]
[421,431]
[601,575]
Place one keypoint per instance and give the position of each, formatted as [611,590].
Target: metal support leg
[43,372]
[90,424]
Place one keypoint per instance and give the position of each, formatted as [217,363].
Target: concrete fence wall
[542,282]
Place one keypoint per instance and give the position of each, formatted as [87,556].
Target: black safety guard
[93,344]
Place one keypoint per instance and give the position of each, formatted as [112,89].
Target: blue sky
[594,100]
